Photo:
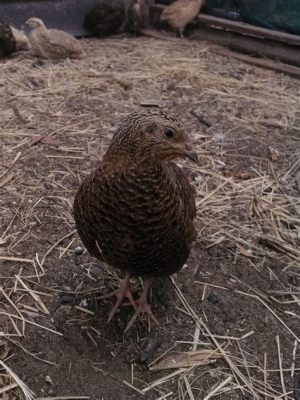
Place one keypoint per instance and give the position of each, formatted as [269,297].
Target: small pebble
[78,251]
[213,298]
[48,379]
[68,299]
[149,349]
[220,165]
[198,179]
[218,137]
[83,303]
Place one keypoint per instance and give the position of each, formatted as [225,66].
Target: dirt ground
[235,304]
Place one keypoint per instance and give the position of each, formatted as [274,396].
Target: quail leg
[181,33]
[127,5]
[142,307]
[123,291]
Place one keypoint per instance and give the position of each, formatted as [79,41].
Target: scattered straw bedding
[56,121]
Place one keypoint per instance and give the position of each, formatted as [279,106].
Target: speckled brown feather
[139,211]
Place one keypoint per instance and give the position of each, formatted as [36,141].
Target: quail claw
[141,308]
[120,296]
[123,291]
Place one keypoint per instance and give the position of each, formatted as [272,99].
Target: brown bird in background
[139,14]
[180,13]
[105,19]
[121,16]
[136,211]
[7,40]
[136,15]
[52,43]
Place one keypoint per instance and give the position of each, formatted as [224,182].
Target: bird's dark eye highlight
[169,133]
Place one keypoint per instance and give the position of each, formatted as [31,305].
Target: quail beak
[190,154]
[27,26]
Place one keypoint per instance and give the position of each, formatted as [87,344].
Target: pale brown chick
[136,211]
[52,43]
[180,13]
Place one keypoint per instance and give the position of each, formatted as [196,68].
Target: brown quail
[180,13]
[136,211]
[52,43]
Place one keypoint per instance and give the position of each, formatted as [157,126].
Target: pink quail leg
[127,6]
[142,307]
[123,291]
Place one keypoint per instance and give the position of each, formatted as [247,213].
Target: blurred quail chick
[7,40]
[52,43]
[136,211]
[180,13]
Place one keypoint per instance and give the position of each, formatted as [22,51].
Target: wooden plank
[259,62]
[242,27]
[249,44]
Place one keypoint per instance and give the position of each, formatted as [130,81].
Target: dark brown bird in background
[136,211]
[7,40]
[105,19]
[121,16]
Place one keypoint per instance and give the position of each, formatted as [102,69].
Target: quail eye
[169,133]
